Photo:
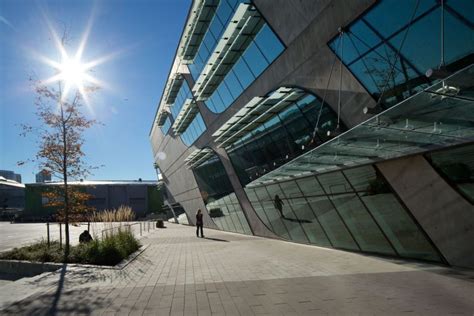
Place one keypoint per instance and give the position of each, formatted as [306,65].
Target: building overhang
[254,113]
[198,22]
[161,117]
[438,117]
[198,157]
[185,116]
[243,26]
[172,88]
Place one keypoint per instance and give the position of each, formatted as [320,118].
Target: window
[371,45]
[218,195]
[457,166]
[194,130]
[281,138]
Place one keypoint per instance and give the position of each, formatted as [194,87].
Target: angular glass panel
[418,42]
[282,137]
[243,72]
[363,228]
[364,180]
[255,59]
[217,193]
[462,8]
[399,227]
[233,85]
[194,130]
[332,224]
[268,43]
[334,183]
[281,203]
[272,215]
[224,12]
[166,126]
[310,186]
[390,16]
[457,166]
[309,223]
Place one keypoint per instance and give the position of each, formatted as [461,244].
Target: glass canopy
[440,116]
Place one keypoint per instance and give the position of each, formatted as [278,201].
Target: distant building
[43,176]
[7,174]
[142,196]
[12,195]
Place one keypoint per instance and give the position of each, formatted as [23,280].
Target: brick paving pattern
[232,274]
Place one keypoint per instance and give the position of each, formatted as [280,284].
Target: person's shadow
[296,220]
[215,239]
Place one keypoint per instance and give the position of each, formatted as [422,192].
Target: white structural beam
[198,22]
[185,116]
[161,117]
[256,112]
[197,157]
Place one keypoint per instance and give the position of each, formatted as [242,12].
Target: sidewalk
[232,274]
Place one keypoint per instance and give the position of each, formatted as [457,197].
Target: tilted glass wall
[197,126]
[183,94]
[219,197]
[166,126]
[288,134]
[457,167]
[221,18]
[265,48]
[194,130]
[354,209]
[371,45]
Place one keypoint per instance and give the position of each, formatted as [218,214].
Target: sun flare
[72,73]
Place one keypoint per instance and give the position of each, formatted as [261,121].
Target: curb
[27,269]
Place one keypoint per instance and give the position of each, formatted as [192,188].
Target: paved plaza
[232,274]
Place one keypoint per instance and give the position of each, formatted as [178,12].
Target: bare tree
[60,142]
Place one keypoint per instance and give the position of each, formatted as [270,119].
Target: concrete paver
[232,274]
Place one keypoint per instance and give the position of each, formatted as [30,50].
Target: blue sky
[140,35]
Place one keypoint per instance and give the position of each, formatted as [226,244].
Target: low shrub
[108,251]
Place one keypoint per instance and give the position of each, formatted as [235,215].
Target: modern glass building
[341,124]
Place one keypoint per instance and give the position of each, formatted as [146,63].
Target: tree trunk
[66,191]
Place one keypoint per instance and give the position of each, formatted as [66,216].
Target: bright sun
[72,73]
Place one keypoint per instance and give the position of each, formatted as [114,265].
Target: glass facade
[194,130]
[286,135]
[353,209]
[183,94]
[221,18]
[457,167]
[371,45]
[263,49]
[219,197]
[197,126]
[166,126]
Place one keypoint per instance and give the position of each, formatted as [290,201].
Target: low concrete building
[143,197]
[12,198]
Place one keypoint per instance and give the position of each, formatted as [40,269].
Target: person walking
[199,223]
[278,203]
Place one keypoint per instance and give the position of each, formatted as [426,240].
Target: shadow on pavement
[59,300]
[215,239]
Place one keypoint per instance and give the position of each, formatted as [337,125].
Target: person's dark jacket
[199,219]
